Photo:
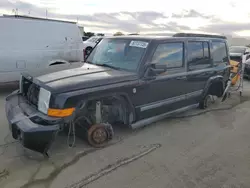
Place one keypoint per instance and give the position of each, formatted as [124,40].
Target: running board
[145,122]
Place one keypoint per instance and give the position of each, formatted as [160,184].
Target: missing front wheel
[100,134]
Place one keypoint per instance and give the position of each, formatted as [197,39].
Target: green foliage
[118,33]
[89,34]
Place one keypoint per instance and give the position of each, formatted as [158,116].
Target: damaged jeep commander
[125,81]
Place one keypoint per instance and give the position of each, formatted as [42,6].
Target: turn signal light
[60,112]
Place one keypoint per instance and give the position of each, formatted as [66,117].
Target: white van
[32,44]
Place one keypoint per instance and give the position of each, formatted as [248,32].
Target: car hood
[87,76]
[86,44]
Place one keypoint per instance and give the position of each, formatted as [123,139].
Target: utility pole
[46,14]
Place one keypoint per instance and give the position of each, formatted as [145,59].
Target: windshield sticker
[139,44]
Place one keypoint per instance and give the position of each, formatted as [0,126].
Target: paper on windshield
[139,44]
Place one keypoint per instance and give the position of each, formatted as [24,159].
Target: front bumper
[35,130]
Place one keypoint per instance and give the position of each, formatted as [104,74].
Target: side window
[198,55]
[170,54]
[219,52]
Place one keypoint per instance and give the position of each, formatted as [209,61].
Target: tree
[118,33]
[89,34]
[99,34]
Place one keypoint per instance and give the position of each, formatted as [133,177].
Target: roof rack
[35,18]
[198,35]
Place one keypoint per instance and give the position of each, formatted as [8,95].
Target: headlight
[43,100]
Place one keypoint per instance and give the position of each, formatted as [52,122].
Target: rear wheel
[206,101]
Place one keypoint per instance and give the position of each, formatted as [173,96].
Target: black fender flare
[212,80]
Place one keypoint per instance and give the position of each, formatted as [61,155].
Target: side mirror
[159,67]
[245,53]
[154,69]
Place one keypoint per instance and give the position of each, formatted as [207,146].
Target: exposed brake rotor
[100,134]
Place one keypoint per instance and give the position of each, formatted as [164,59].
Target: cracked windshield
[131,94]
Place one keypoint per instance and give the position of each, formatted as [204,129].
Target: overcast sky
[157,16]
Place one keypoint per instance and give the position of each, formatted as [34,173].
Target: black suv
[127,80]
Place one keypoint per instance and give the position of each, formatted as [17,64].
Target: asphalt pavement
[207,149]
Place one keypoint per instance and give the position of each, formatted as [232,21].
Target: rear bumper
[35,130]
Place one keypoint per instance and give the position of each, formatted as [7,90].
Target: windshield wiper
[109,66]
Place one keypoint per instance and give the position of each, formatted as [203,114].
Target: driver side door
[165,91]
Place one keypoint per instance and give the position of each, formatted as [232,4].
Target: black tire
[88,50]
[204,103]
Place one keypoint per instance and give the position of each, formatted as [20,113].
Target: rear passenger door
[199,68]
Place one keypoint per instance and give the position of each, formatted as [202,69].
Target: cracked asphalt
[204,150]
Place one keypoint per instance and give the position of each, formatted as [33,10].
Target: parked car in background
[89,44]
[247,69]
[127,80]
[84,38]
[236,52]
[29,44]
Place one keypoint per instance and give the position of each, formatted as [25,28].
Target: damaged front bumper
[35,130]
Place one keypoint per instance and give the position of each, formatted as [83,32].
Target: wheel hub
[99,135]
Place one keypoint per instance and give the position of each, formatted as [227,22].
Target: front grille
[33,94]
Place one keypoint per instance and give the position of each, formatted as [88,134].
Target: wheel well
[216,88]
[114,109]
[57,63]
